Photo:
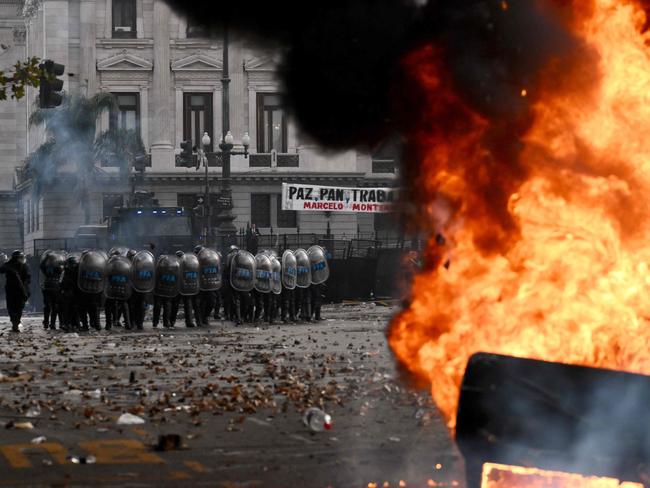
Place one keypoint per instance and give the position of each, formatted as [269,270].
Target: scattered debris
[38,440]
[394,439]
[82,459]
[129,419]
[168,442]
[19,425]
[317,420]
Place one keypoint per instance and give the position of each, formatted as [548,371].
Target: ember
[549,240]
[503,476]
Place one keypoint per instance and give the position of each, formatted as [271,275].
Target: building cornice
[125,43]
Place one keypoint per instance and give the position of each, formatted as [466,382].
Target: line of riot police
[250,288]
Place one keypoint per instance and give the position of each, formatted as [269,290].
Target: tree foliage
[71,148]
[24,74]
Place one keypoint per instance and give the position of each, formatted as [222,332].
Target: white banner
[336,199]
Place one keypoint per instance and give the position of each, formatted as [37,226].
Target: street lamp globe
[246,140]
[205,140]
[229,139]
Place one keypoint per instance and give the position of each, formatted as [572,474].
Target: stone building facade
[166,75]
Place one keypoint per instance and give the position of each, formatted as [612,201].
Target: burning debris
[545,208]
[502,476]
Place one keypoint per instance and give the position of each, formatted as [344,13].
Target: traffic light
[140,162]
[50,85]
[186,153]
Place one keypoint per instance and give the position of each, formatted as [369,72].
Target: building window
[111,200]
[197,118]
[285,218]
[271,123]
[261,209]
[386,157]
[37,214]
[28,211]
[124,19]
[127,114]
[195,29]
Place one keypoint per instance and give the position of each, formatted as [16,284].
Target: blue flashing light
[155,211]
[164,211]
[139,212]
[179,211]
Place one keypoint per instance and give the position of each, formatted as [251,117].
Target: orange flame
[504,476]
[549,256]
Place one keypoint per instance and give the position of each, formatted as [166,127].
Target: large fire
[549,257]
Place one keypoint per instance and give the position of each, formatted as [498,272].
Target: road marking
[258,421]
[195,466]
[120,451]
[15,453]
[179,475]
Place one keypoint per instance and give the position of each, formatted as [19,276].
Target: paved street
[234,395]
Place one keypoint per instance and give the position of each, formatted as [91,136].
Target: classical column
[237,88]
[162,151]
[87,41]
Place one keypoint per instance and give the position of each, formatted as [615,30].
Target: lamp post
[205,141]
[226,217]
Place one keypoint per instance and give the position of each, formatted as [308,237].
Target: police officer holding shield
[52,268]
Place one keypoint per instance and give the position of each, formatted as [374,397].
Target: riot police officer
[210,281]
[168,268]
[242,282]
[289,277]
[320,272]
[16,287]
[226,289]
[51,265]
[303,281]
[142,279]
[91,280]
[118,287]
[188,290]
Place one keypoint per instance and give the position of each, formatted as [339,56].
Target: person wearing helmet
[190,306]
[137,301]
[16,287]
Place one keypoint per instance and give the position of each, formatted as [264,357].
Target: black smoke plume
[342,65]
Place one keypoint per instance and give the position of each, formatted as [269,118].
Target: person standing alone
[16,287]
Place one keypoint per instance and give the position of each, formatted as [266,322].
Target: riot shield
[189,284]
[289,270]
[320,270]
[118,278]
[262,273]
[92,272]
[210,270]
[242,271]
[168,272]
[143,275]
[52,263]
[276,276]
[303,279]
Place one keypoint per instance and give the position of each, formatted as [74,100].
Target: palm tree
[71,147]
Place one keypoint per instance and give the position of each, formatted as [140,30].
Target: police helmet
[131,253]
[198,249]
[17,254]
[180,254]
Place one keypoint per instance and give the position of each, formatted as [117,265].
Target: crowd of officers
[123,282]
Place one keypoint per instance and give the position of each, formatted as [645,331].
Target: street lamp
[205,141]
[226,217]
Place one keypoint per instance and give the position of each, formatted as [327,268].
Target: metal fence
[338,246]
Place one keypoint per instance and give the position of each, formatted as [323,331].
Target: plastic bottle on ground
[317,420]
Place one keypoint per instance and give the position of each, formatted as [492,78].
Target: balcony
[265,160]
